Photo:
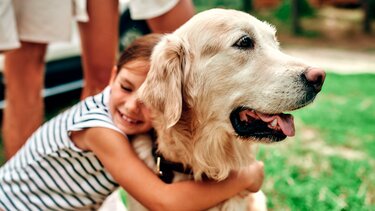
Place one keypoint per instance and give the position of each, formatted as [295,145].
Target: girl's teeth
[128,119]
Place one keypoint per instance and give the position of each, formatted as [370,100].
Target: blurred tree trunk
[247,5]
[368,7]
[296,26]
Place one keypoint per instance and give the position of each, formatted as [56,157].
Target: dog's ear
[162,89]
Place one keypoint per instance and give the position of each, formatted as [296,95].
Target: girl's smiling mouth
[128,119]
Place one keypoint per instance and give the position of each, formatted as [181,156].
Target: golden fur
[197,78]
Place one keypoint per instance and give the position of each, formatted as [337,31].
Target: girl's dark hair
[140,48]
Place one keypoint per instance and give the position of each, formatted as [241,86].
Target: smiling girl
[75,160]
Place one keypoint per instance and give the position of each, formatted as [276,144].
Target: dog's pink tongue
[284,121]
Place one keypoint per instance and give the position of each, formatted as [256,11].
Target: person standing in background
[26,29]
[99,36]
[75,165]
[30,25]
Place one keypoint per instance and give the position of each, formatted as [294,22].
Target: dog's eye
[244,42]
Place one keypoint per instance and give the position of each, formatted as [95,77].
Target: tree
[296,25]
[291,11]
[247,5]
[368,9]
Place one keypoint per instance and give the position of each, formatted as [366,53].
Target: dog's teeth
[274,123]
[243,117]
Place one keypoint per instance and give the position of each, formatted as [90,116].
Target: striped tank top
[51,173]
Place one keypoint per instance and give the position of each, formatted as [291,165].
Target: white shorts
[46,21]
[146,9]
[39,21]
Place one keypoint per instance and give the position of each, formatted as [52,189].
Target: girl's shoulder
[98,102]
[92,112]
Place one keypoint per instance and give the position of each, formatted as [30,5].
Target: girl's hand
[252,176]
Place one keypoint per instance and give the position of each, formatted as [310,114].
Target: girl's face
[128,114]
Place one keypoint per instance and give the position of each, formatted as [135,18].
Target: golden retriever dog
[218,86]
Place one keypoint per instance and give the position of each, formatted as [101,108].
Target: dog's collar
[165,168]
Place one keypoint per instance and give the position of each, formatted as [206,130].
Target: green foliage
[201,5]
[284,11]
[332,183]
[345,111]
[332,169]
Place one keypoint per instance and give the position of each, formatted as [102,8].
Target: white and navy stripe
[51,173]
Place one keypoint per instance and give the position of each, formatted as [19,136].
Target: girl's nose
[132,105]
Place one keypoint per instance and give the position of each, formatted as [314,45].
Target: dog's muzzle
[250,124]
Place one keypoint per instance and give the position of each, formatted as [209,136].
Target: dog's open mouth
[249,123]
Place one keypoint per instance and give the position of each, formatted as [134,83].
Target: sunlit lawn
[330,163]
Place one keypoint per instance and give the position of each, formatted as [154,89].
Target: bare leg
[99,38]
[174,18]
[24,110]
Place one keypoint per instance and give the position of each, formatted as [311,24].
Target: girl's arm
[118,157]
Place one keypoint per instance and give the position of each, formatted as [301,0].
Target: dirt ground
[340,45]
[335,59]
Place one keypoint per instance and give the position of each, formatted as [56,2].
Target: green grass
[330,163]
[345,112]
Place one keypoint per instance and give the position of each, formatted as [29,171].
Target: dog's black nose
[315,78]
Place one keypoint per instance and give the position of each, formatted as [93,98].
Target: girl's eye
[244,42]
[126,88]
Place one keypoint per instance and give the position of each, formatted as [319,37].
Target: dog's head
[221,78]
